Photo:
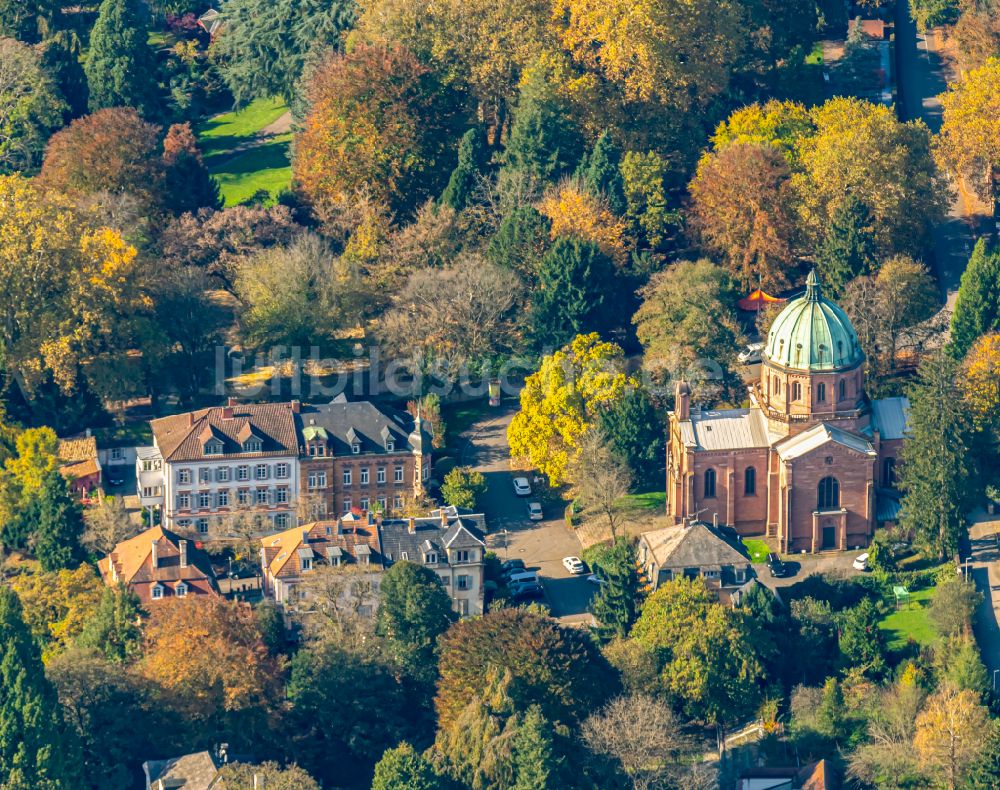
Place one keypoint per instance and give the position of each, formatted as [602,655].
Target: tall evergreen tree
[848,249]
[616,604]
[601,173]
[60,524]
[977,305]
[536,764]
[636,435]
[120,68]
[471,159]
[20,19]
[36,750]
[61,59]
[521,240]
[544,143]
[936,474]
[575,284]
[403,768]
[188,186]
[113,629]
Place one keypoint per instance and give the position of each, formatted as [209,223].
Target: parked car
[574,565]
[526,591]
[522,487]
[535,511]
[521,577]
[595,579]
[861,562]
[509,566]
[776,567]
[751,354]
[116,480]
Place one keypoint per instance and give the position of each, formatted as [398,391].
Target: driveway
[984,565]
[832,563]
[541,544]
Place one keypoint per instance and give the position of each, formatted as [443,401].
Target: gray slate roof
[696,546]
[891,416]
[463,532]
[727,429]
[369,424]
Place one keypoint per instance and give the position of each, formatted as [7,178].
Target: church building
[812,461]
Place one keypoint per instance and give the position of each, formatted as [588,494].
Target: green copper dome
[812,333]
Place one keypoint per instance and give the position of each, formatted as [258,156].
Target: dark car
[512,565]
[776,566]
[524,592]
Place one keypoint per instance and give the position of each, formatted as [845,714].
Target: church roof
[812,333]
[726,429]
[891,417]
[807,441]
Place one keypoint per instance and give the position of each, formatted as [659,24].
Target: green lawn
[910,621]
[651,501]
[757,549]
[241,162]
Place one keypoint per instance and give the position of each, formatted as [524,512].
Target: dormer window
[430,558]
[156,592]
[355,448]
[213,447]
[390,446]
[181,589]
[252,446]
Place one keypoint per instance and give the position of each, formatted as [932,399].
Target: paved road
[985,570]
[921,78]
[541,544]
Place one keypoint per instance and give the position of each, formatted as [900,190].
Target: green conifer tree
[601,173]
[188,186]
[61,59]
[20,19]
[977,305]
[37,752]
[636,435]
[848,249]
[60,524]
[615,606]
[471,159]
[113,629]
[521,240]
[536,764]
[574,297]
[936,473]
[832,714]
[403,768]
[120,67]
[544,143]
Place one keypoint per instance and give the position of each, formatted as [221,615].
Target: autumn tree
[709,658]
[58,605]
[574,210]
[554,667]
[688,328]
[744,208]
[121,71]
[36,750]
[378,120]
[112,151]
[563,399]
[780,124]
[247,776]
[980,382]
[936,474]
[30,107]
[463,487]
[206,656]
[107,523]
[600,479]
[948,738]
[977,306]
[454,320]
[187,184]
[575,293]
[403,768]
[414,610]
[265,46]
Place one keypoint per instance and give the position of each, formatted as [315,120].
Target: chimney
[87,433]
[231,402]
[682,400]
[296,406]
[715,520]
[340,526]
[227,412]
[444,519]
[371,518]
[155,554]
[411,526]
[183,546]
[190,416]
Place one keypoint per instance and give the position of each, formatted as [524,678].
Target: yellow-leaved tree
[969,140]
[561,401]
[573,211]
[949,735]
[68,289]
[58,605]
[981,383]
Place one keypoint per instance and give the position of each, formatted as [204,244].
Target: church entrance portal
[829,537]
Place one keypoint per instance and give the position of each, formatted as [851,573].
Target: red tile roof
[181,437]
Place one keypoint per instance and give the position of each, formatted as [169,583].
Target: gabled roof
[178,437]
[814,438]
[727,429]
[462,532]
[342,423]
[891,416]
[695,546]
[81,449]
[132,559]
[284,552]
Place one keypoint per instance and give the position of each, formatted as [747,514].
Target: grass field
[911,621]
[757,549]
[241,160]
[653,501]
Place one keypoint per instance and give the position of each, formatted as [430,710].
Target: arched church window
[796,390]
[749,481]
[843,389]
[889,473]
[821,393]
[709,483]
[828,495]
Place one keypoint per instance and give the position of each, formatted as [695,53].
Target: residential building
[812,462]
[225,464]
[349,542]
[79,464]
[149,478]
[818,775]
[159,564]
[359,456]
[692,550]
[196,771]
[450,543]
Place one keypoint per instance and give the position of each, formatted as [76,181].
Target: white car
[751,354]
[522,487]
[574,565]
[535,511]
[861,562]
